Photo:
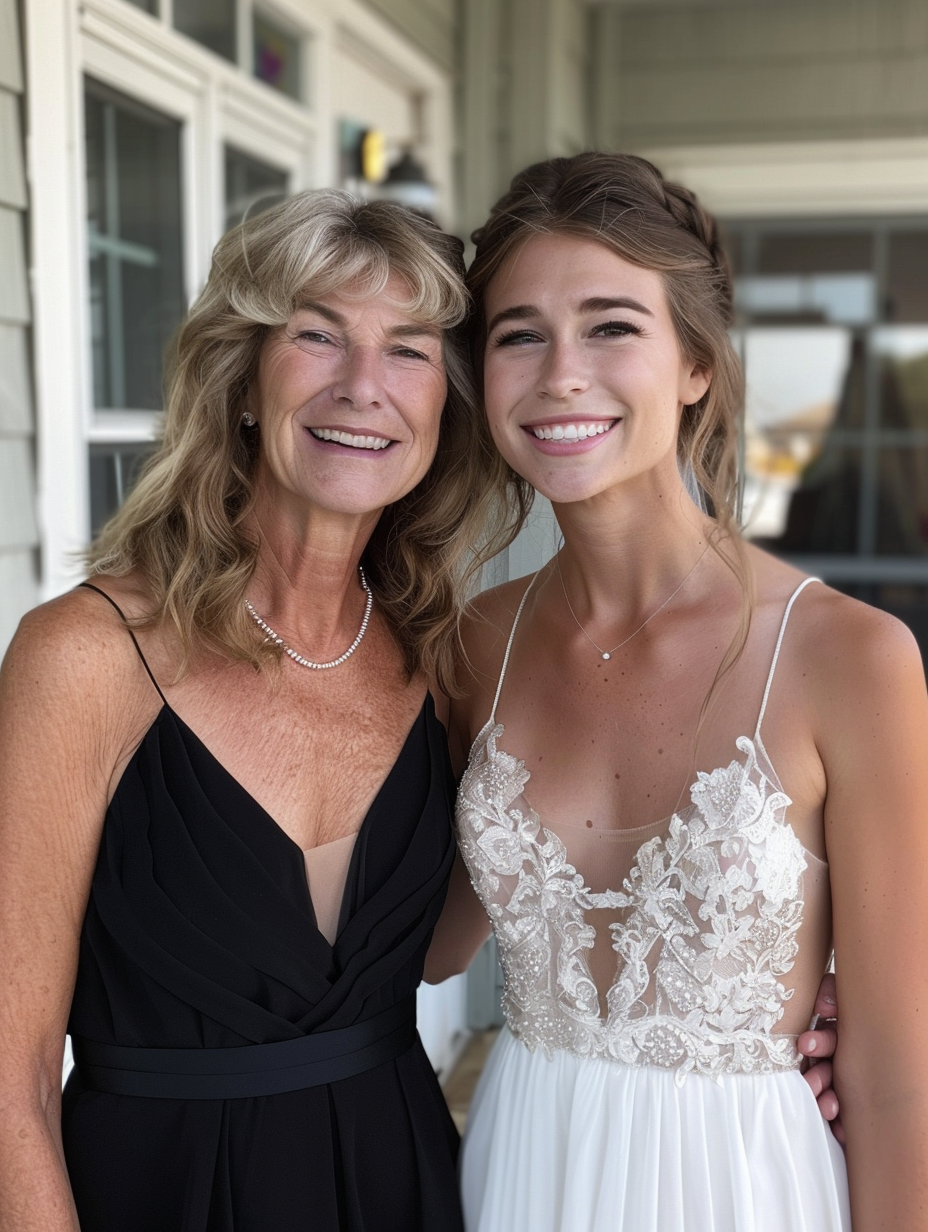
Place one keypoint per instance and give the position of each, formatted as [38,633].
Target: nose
[562,372]
[359,380]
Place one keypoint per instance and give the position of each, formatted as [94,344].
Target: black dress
[200,936]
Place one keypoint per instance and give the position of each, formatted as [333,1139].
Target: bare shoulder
[854,662]
[488,621]
[485,631]
[72,662]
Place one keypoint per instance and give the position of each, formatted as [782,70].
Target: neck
[306,581]
[623,555]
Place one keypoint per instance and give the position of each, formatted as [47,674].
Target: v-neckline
[274,827]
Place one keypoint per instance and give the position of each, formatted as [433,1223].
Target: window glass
[113,471]
[251,186]
[147,6]
[803,391]
[907,284]
[902,502]
[134,238]
[210,22]
[903,358]
[276,56]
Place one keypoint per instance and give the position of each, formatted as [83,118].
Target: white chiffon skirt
[587,1145]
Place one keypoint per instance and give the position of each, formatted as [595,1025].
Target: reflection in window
[903,358]
[834,336]
[276,56]
[902,502]
[251,186]
[907,289]
[113,471]
[210,22]
[797,389]
[134,240]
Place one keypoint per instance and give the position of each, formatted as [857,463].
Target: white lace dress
[674,1103]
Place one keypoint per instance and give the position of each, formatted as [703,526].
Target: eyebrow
[310,305]
[414,329]
[597,303]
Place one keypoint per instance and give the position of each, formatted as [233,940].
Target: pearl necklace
[607,654]
[297,658]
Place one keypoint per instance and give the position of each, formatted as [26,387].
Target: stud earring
[249,420]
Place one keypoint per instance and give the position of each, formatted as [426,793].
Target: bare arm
[873,725]
[58,746]
[461,930]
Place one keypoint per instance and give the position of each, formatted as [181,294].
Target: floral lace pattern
[707,922]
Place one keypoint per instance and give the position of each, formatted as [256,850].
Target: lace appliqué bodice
[705,924]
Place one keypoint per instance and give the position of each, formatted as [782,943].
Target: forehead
[568,269]
[389,306]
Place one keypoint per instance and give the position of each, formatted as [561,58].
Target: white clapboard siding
[18,523]
[12,171]
[14,294]
[15,385]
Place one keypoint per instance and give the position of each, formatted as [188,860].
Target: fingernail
[812,1045]
[829,1000]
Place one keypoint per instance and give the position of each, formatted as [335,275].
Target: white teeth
[573,431]
[346,438]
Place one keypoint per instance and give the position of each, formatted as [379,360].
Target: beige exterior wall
[791,71]
[432,25]
[18,529]
[525,73]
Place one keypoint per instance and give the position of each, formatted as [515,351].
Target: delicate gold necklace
[607,654]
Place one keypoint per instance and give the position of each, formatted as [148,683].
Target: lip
[561,448]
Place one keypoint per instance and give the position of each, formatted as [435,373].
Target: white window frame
[216,103]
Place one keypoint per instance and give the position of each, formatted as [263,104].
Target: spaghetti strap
[138,648]
[512,633]
[776,651]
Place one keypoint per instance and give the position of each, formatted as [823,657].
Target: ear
[695,381]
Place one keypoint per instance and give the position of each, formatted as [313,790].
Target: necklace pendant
[606,654]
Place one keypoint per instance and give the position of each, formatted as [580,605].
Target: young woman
[692,771]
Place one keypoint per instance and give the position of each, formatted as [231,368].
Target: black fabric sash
[259,1069]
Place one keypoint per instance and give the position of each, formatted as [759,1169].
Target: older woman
[225,817]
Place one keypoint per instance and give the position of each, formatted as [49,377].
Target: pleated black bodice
[200,934]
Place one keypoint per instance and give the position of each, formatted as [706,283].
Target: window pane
[113,471]
[210,22]
[903,355]
[276,56]
[134,236]
[147,6]
[814,253]
[808,278]
[251,186]
[804,390]
[907,292]
[902,502]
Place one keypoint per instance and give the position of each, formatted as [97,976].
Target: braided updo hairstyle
[624,203]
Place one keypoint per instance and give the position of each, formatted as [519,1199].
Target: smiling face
[348,399]
[584,379]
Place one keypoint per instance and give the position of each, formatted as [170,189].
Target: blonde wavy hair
[624,203]
[185,525]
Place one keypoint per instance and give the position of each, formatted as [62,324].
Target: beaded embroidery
[707,922]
